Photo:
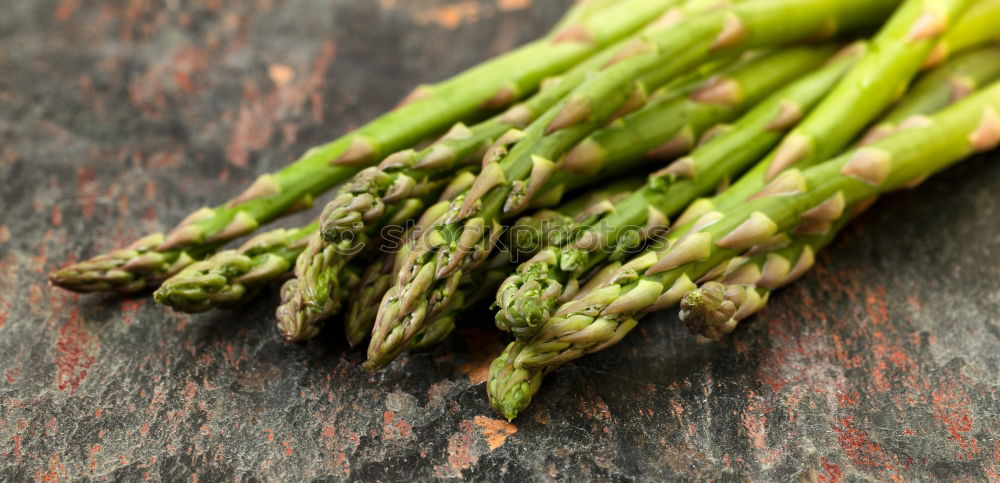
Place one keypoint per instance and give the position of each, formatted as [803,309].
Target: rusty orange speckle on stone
[452,16]
[477,371]
[74,354]
[508,5]
[280,74]
[495,431]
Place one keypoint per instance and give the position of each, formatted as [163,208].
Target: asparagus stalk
[941,86]
[507,186]
[529,296]
[976,27]
[742,286]
[231,276]
[317,291]
[881,76]
[377,278]
[407,175]
[484,280]
[524,238]
[429,109]
[815,196]
[410,173]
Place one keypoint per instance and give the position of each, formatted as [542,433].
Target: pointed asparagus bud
[585,159]
[914,122]
[830,210]
[401,188]
[788,183]
[182,236]
[671,297]
[776,272]
[961,87]
[420,93]
[500,147]
[200,214]
[636,47]
[575,33]
[987,134]
[683,168]
[593,302]
[776,242]
[938,55]
[472,234]
[869,165]
[930,24]
[738,272]
[577,109]
[691,248]
[757,229]
[695,210]
[877,134]
[643,295]
[359,153]
[793,149]
[680,144]
[672,17]
[732,34]
[458,185]
[241,225]
[789,114]
[714,132]
[504,96]
[523,192]
[491,177]
[636,100]
[706,220]
[412,292]
[805,262]
[440,157]
[519,116]
[720,90]
[261,187]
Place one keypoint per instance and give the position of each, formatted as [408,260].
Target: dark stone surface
[118,117]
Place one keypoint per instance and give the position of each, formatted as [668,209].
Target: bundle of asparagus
[737,116]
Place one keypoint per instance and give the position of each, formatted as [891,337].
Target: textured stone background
[118,117]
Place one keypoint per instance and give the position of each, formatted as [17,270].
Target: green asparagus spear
[412,173]
[317,291]
[377,278]
[467,236]
[524,238]
[815,196]
[231,276]
[941,86]
[407,175]
[742,286]
[978,26]
[529,296]
[881,76]
[429,109]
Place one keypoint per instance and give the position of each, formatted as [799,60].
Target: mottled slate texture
[117,117]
